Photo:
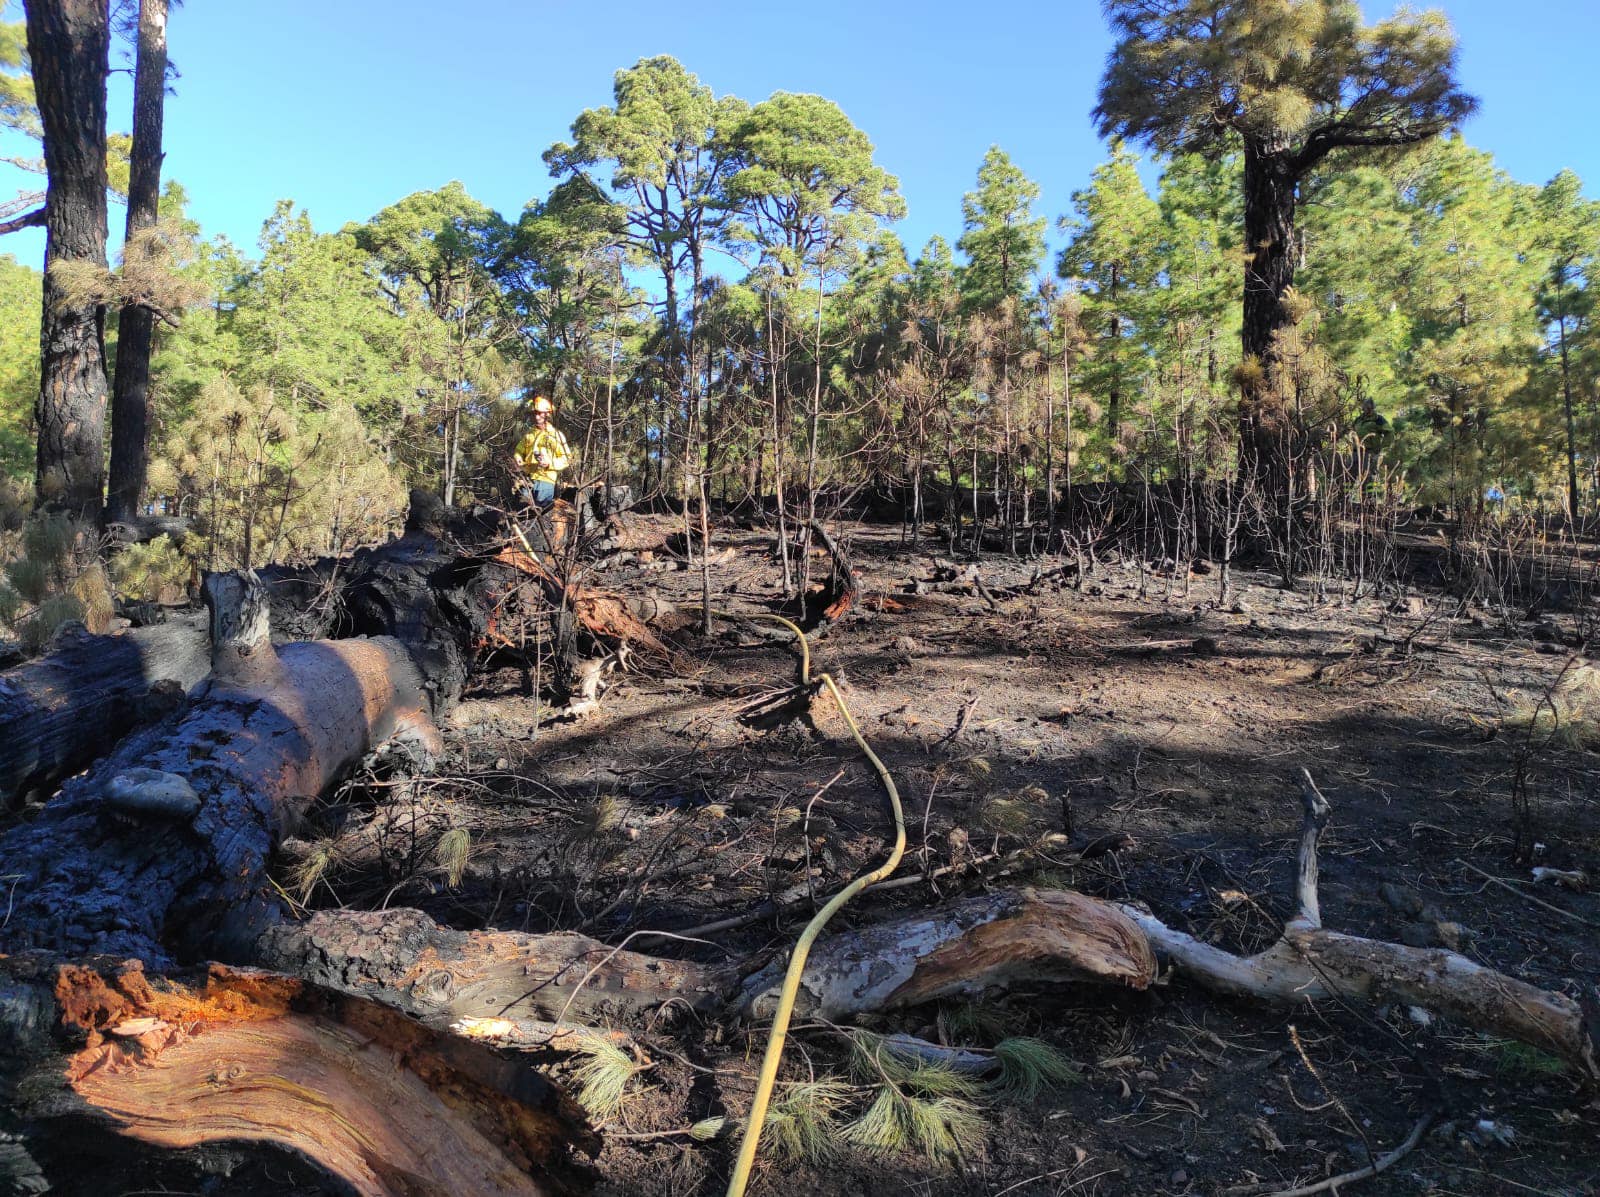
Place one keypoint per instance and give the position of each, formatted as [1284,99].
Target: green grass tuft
[940,1128]
[707,1128]
[313,868]
[1569,716]
[1520,1061]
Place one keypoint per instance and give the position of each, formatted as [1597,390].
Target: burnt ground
[1120,702]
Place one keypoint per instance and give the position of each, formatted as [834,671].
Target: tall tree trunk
[68,45]
[1572,442]
[1269,212]
[131,387]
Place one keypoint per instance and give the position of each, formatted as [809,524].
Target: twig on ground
[956,732]
[1539,902]
[1335,1184]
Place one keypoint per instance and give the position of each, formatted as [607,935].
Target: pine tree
[68,47]
[434,251]
[20,290]
[1001,237]
[1570,241]
[1288,82]
[1113,257]
[136,325]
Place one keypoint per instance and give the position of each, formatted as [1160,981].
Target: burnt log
[159,851]
[1000,941]
[69,708]
[994,942]
[59,712]
[100,1062]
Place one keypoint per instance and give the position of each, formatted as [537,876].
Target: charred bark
[843,589]
[159,852]
[211,791]
[994,942]
[1270,195]
[57,714]
[68,45]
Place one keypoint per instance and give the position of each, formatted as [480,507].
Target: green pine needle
[803,1124]
[603,1079]
[707,1128]
[875,1060]
[941,1128]
[1028,1067]
[452,851]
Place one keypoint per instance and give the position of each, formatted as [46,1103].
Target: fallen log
[995,942]
[1000,941]
[435,589]
[404,959]
[208,794]
[254,1059]
[58,712]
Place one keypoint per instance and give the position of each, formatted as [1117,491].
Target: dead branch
[1309,964]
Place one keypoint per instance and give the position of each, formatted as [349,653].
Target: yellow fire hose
[802,947]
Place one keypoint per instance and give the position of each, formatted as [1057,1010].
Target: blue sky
[346,105]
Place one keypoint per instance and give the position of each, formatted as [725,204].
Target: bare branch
[29,220]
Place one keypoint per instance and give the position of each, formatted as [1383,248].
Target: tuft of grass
[976,1022]
[708,1128]
[979,768]
[1569,716]
[919,1106]
[452,850]
[1029,1066]
[1006,815]
[602,815]
[802,1126]
[873,1059]
[1523,1062]
[603,1078]
[92,589]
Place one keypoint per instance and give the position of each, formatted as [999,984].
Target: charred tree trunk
[68,44]
[136,326]
[211,791]
[1270,196]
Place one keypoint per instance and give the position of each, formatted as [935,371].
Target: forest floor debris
[1023,724]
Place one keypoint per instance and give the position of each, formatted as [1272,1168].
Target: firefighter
[542,454]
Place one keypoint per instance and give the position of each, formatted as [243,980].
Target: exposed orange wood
[385,1104]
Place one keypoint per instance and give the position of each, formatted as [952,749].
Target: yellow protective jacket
[554,446]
